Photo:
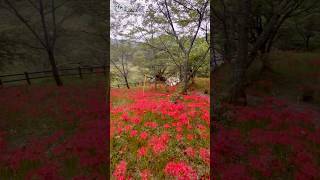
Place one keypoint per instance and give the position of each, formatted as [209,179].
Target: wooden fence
[28,76]
[134,84]
[79,72]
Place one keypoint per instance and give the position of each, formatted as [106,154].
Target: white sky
[117,13]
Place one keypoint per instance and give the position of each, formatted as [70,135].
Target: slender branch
[44,25]
[174,33]
[25,22]
[54,36]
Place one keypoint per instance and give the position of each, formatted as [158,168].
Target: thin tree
[120,56]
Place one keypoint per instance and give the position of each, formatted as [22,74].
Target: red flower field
[155,137]
[274,140]
[48,132]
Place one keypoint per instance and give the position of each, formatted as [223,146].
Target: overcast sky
[118,12]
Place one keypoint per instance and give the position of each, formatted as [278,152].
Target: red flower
[145,174]
[133,133]
[142,152]
[205,155]
[144,135]
[120,170]
[190,152]
[180,170]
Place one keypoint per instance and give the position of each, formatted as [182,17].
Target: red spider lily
[133,133]
[162,123]
[180,170]
[145,174]
[142,152]
[144,135]
[190,152]
[205,155]
[120,171]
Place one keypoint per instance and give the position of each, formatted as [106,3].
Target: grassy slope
[294,72]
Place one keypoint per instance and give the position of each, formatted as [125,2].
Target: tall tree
[121,54]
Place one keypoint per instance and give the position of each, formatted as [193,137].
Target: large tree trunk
[212,92]
[54,68]
[226,45]
[238,95]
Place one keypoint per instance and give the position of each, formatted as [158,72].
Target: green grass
[292,70]
[201,84]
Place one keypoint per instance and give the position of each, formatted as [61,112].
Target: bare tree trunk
[127,83]
[49,45]
[238,95]
[54,68]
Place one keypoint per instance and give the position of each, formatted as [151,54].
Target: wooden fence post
[144,82]
[27,77]
[80,72]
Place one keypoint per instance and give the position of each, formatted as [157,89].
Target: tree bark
[127,83]
[238,95]
[186,76]
[226,44]
[54,68]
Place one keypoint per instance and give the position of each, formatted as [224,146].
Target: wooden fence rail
[78,71]
[134,84]
[28,76]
